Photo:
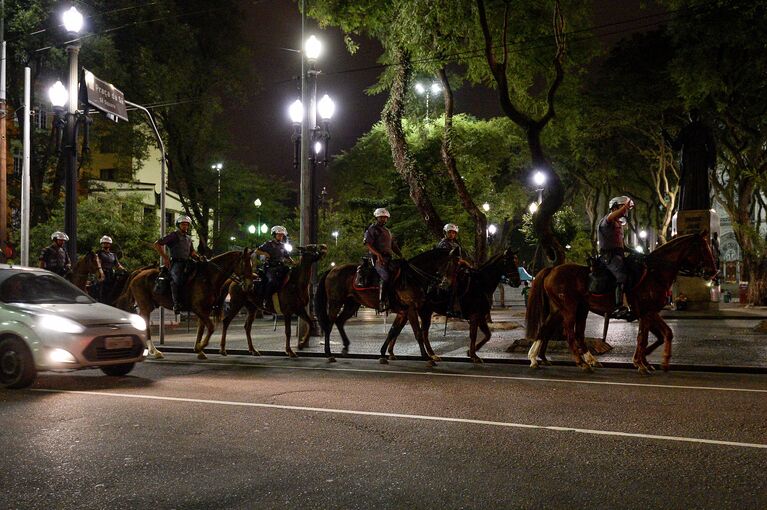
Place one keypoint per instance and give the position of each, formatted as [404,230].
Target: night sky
[261,129]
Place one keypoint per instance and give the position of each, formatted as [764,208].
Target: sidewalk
[733,338]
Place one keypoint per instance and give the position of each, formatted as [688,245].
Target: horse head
[698,259]
[244,269]
[313,252]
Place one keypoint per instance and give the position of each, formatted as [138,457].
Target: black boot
[174,295]
[621,311]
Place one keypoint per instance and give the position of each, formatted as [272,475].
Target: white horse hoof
[158,355]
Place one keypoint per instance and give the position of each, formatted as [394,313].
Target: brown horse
[197,295]
[475,289]
[338,298]
[290,300]
[559,301]
[84,267]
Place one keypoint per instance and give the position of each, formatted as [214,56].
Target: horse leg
[568,324]
[425,325]
[533,353]
[198,342]
[399,322]
[225,325]
[664,335]
[288,350]
[248,326]
[153,351]
[209,327]
[485,329]
[418,332]
[473,324]
[580,337]
[350,308]
[639,359]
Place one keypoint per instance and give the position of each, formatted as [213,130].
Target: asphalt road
[245,432]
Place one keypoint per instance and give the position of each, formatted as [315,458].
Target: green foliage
[566,225]
[119,216]
[491,158]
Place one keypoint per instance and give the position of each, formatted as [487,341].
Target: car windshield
[39,287]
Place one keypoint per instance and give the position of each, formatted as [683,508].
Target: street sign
[103,96]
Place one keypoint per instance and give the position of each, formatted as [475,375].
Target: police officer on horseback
[55,257]
[450,242]
[611,249]
[108,264]
[179,244]
[277,262]
[382,245]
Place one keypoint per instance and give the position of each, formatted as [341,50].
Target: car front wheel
[118,370]
[17,367]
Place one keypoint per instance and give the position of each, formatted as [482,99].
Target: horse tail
[218,305]
[537,305]
[321,303]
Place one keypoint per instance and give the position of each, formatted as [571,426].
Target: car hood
[86,314]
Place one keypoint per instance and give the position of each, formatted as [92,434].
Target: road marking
[467,376]
[412,417]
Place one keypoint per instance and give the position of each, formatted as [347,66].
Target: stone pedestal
[697,290]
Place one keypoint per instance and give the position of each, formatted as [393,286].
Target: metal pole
[25,172]
[163,223]
[218,206]
[70,169]
[3,138]
[306,176]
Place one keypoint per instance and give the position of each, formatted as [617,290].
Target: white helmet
[450,226]
[619,201]
[279,229]
[105,239]
[381,211]
[59,235]
[183,219]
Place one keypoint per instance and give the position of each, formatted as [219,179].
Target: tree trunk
[448,158]
[403,161]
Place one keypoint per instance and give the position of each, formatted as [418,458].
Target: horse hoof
[201,355]
[587,368]
[546,362]
[392,357]
[383,361]
[331,359]
[431,363]
[535,365]
[254,353]
[222,352]
[666,367]
[643,371]
[477,360]
[345,351]
[291,354]
[158,355]
[434,357]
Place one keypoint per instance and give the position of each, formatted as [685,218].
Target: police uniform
[611,247]
[108,262]
[380,238]
[275,267]
[180,247]
[451,244]
[56,259]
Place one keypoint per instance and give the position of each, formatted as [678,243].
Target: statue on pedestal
[698,159]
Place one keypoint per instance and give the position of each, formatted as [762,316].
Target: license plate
[118,342]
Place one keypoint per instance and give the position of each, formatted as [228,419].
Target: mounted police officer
[450,242]
[611,249]
[55,257]
[277,262]
[179,243]
[107,263]
[382,245]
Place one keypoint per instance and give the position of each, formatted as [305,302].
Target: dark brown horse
[197,295]
[338,298]
[290,300]
[475,289]
[84,267]
[559,301]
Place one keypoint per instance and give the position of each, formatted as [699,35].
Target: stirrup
[623,313]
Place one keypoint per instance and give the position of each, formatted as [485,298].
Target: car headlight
[59,324]
[61,356]
[137,322]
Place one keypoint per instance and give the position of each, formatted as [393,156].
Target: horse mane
[663,250]
[426,256]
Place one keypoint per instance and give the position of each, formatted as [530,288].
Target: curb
[496,361]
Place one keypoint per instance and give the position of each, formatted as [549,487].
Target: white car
[46,323]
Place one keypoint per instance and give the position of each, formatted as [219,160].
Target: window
[108,174]
[108,144]
[41,117]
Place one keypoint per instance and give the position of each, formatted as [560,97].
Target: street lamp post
[539,178]
[217,167]
[434,88]
[335,236]
[73,23]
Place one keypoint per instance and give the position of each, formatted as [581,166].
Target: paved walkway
[734,338]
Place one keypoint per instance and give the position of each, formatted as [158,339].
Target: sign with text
[103,96]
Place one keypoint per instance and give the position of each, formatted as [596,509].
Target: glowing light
[435,88]
[264,228]
[252,229]
[73,20]
[642,234]
[539,178]
[419,88]
[639,249]
[313,48]
[492,229]
[58,94]
[257,202]
[296,111]
[486,207]
[288,247]
[326,107]
[533,208]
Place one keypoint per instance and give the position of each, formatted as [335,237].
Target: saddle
[162,283]
[602,281]
[366,276]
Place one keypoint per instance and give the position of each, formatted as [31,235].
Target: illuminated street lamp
[335,235]
[217,167]
[252,229]
[533,208]
[257,203]
[539,179]
[428,90]
[486,207]
[264,228]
